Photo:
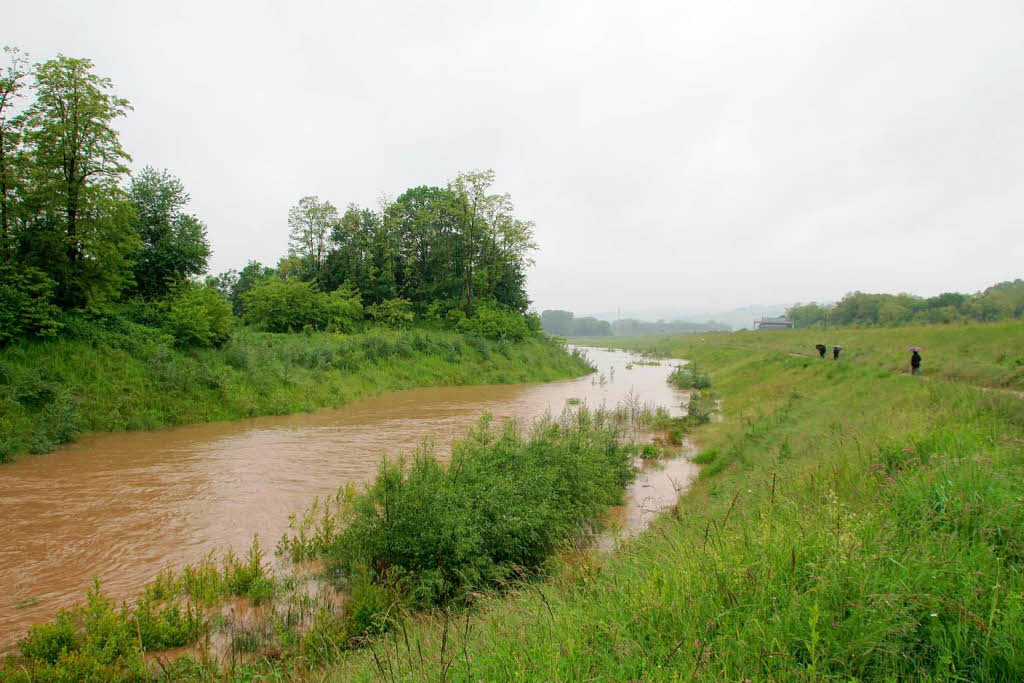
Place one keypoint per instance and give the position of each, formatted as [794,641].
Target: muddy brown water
[122,506]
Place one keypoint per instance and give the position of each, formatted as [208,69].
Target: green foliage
[277,305]
[198,316]
[26,294]
[77,225]
[174,244]
[95,641]
[495,322]
[367,605]
[999,302]
[502,505]
[700,407]
[343,310]
[311,221]
[689,376]
[99,641]
[396,313]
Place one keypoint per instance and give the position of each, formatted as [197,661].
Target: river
[122,506]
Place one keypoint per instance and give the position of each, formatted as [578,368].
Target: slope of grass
[848,523]
[990,355]
[133,378]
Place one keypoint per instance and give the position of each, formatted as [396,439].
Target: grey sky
[692,154]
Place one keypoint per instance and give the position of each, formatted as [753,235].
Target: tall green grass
[119,376]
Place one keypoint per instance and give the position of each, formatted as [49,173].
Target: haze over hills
[736,318]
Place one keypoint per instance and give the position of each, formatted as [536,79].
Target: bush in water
[503,504]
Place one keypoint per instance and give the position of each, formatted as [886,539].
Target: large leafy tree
[13,81]
[77,164]
[494,246]
[174,244]
[310,222]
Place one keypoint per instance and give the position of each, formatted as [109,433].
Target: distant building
[773,324]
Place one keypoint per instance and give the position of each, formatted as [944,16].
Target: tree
[557,322]
[174,244]
[11,125]
[77,164]
[311,221]
[254,274]
[494,246]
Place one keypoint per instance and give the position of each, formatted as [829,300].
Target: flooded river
[122,506]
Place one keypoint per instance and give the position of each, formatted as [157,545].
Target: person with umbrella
[835,352]
[821,349]
[915,360]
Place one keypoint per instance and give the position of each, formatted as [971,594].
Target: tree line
[566,324]
[1002,301]
[81,236]
[455,256]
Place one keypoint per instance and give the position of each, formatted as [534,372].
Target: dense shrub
[26,307]
[495,322]
[689,376]
[503,505]
[392,313]
[277,305]
[343,310]
[198,316]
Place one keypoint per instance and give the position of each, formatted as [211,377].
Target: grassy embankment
[848,522]
[989,355]
[131,377]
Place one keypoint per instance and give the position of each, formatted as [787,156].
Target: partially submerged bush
[100,640]
[504,503]
[689,376]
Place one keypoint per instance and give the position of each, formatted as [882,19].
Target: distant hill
[735,318]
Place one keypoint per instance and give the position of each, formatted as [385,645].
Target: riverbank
[424,535]
[131,378]
[848,522]
[984,354]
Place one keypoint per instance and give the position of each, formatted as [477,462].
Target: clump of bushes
[26,306]
[277,305]
[395,313]
[495,322]
[198,316]
[102,641]
[505,502]
[689,376]
[700,407]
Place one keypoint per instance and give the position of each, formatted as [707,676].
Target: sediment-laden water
[122,506]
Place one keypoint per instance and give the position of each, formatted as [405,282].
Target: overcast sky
[690,154]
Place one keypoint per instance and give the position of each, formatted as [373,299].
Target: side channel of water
[123,506]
